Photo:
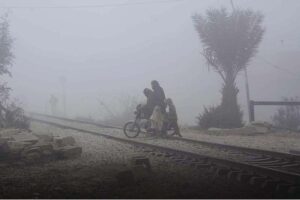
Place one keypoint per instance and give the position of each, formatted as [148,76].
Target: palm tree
[230,40]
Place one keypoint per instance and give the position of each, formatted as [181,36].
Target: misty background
[113,52]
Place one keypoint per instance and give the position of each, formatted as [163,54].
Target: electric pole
[247,94]
[63,83]
[246,78]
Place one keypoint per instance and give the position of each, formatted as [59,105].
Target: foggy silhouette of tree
[6,54]
[11,115]
[288,116]
[229,40]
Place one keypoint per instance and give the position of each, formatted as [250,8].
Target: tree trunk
[231,115]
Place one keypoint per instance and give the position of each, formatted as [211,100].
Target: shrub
[209,118]
[288,116]
[15,117]
[219,117]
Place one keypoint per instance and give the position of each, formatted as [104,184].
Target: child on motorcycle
[172,116]
[157,119]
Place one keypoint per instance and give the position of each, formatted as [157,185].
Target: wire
[90,6]
[278,68]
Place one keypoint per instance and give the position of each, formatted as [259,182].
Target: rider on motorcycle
[147,109]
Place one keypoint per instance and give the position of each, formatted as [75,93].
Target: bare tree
[123,111]
[11,115]
[6,54]
[230,40]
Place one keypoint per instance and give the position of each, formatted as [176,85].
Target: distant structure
[53,104]
[63,81]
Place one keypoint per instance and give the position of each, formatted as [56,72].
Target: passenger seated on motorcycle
[172,116]
[147,109]
[157,119]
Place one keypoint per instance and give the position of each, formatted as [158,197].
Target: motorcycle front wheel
[131,129]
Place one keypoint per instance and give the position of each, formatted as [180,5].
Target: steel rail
[221,162]
[233,147]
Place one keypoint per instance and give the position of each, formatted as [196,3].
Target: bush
[209,118]
[15,117]
[288,116]
[219,117]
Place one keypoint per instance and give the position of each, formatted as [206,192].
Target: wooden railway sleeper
[203,165]
[195,163]
[233,174]
[257,180]
[294,191]
[270,165]
[270,162]
[263,159]
[283,188]
[244,177]
[221,171]
[271,184]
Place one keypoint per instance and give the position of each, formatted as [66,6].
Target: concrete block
[10,132]
[43,147]
[64,141]
[15,149]
[25,137]
[262,124]
[17,146]
[32,155]
[141,161]
[68,151]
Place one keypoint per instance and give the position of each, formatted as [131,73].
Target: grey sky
[116,51]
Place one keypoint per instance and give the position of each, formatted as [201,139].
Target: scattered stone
[45,149]
[45,138]
[141,161]
[64,141]
[16,147]
[68,151]
[125,178]
[295,151]
[10,132]
[31,147]
[25,137]
[32,155]
[215,129]
[141,167]
[262,124]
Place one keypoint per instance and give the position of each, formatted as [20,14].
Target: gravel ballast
[93,175]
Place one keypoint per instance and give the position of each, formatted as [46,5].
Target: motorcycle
[140,124]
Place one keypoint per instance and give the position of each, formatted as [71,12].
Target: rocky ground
[96,174]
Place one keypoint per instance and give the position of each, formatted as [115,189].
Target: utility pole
[247,94]
[246,78]
[63,83]
[232,5]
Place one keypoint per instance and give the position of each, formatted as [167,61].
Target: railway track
[277,172]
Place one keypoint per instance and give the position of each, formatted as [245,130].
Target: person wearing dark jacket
[147,109]
[159,95]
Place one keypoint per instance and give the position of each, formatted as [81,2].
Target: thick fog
[111,52]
